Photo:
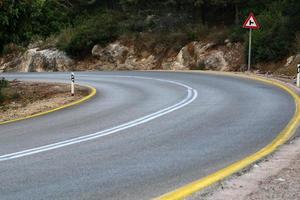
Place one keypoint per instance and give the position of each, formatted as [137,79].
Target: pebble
[280,179]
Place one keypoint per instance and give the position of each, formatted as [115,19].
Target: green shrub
[271,44]
[3,84]
[195,31]
[12,48]
[297,43]
[237,34]
[98,29]
[274,40]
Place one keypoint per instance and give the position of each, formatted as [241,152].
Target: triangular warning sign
[251,22]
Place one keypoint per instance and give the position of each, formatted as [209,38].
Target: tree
[15,17]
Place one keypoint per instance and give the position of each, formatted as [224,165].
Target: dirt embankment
[29,98]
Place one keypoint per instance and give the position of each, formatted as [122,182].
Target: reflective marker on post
[72,84]
[298,75]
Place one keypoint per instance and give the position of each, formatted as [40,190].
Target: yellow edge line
[284,135]
[92,93]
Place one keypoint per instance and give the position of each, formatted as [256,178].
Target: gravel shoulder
[29,98]
[276,177]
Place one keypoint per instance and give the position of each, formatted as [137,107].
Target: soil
[282,186]
[29,98]
[277,177]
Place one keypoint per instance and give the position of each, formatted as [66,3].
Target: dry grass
[28,98]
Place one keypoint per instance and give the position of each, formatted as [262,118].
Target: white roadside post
[72,84]
[250,23]
[298,75]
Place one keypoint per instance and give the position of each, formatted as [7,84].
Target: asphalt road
[140,137]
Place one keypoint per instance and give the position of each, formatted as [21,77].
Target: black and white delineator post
[72,84]
[250,23]
[298,75]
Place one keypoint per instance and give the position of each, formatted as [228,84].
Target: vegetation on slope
[3,84]
[80,24]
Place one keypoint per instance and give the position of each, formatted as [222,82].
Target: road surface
[142,135]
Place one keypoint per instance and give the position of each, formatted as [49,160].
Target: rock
[182,61]
[215,61]
[280,180]
[97,50]
[2,69]
[188,56]
[197,55]
[229,45]
[117,56]
[297,59]
[149,18]
[132,55]
[289,61]
[256,166]
[227,41]
[113,53]
[35,44]
[293,60]
[35,60]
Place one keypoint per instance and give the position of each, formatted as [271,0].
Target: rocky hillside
[133,55]
[121,55]
[36,60]
[157,34]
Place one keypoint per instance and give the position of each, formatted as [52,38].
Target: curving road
[144,134]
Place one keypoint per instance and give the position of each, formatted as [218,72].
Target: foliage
[297,43]
[275,40]
[3,84]
[79,24]
[96,29]
[237,34]
[20,20]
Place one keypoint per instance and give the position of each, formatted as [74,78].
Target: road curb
[92,94]
[283,137]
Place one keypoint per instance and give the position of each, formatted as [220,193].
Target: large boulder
[114,53]
[293,61]
[198,55]
[214,60]
[35,60]
[117,56]
[191,55]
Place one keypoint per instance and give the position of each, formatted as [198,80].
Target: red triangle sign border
[251,15]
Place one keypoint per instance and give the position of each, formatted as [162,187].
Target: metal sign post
[72,84]
[250,23]
[298,75]
[249,54]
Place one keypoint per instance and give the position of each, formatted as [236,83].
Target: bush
[98,29]
[275,40]
[237,34]
[297,43]
[278,43]
[195,31]
[12,48]
[3,84]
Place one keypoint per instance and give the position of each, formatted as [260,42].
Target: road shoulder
[275,177]
[32,99]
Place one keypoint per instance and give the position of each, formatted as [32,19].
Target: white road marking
[191,96]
